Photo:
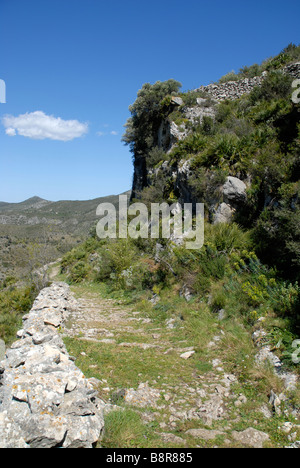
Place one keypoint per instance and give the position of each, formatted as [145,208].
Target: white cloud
[10,132]
[39,126]
[113,132]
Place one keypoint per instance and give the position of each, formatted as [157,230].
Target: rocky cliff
[45,400]
[230,194]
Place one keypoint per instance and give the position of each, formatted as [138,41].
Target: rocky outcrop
[45,400]
[234,196]
[170,133]
[265,355]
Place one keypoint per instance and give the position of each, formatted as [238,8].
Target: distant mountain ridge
[44,226]
[72,216]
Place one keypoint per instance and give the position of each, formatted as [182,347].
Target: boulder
[223,214]
[234,191]
[251,437]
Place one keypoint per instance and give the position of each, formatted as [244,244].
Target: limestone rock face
[234,191]
[234,195]
[223,214]
[170,133]
[45,400]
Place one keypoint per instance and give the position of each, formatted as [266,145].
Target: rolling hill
[53,226]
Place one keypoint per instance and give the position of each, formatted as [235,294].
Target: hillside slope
[57,226]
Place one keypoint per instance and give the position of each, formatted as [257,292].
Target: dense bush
[14,303]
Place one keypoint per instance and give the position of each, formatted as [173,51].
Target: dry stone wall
[232,89]
[45,400]
[235,89]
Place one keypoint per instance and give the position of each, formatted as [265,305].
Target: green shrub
[142,126]
[79,272]
[276,86]
[14,303]
[155,156]
[231,76]
[192,144]
[227,238]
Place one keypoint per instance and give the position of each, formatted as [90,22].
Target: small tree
[142,126]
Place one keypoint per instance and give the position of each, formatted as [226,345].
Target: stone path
[124,358]
[175,394]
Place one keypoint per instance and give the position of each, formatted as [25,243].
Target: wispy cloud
[107,132]
[39,126]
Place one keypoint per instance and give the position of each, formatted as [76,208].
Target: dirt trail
[152,367]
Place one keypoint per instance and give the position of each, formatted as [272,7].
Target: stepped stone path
[162,381]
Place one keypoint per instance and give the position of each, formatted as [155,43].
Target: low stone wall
[232,89]
[235,89]
[45,400]
[293,69]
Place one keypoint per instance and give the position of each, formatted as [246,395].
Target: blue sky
[72,68]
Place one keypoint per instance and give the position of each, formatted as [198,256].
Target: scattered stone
[266,412]
[287,427]
[222,315]
[242,400]
[170,323]
[156,336]
[108,341]
[186,293]
[170,438]
[251,437]
[223,214]
[295,445]
[265,355]
[143,397]
[275,402]
[155,299]
[187,355]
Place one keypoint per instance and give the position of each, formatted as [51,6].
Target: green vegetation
[246,270]
[291,53]
[249,268]
[15,301]
[225,274]
[142,127]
